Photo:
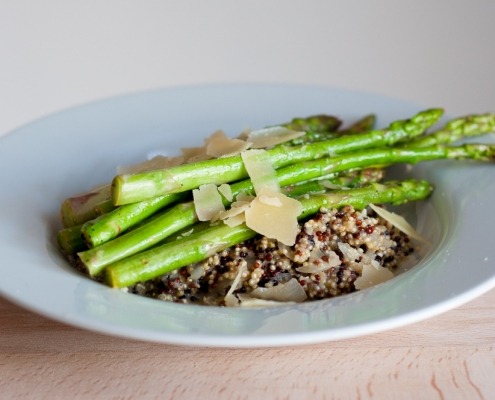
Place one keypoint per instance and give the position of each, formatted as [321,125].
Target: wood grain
[446,357]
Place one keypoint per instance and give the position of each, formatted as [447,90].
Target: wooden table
[451,356]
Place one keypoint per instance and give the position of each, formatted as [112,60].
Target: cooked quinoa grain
[330,253]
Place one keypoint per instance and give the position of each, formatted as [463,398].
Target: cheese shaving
[275,222]
[291,291]
[349,252]
[399,222]
[270,200]
[260,170]
[208,202]
[235,215]
[219,145]
[194,154]
[230,299]
[235,220]
[226,191]
[244,134]
[243,196]
[272,136]
[372,275]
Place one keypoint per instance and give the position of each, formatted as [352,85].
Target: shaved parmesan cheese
[349,252]
[244,197]
[235,220]
[226,191]
[235,215]
[244,134]
[275,222]
[208,202]
[217,135]
[219,145]
[372,275]
[194,154]
[270,200]
[260,170]
[287,251]
[230,299]
[289,291]
[197,273]
[157,162]
[269,137]
[398,221]
[244,204]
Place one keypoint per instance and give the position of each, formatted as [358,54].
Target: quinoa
[332,247]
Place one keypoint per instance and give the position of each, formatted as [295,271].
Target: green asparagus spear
[196,247]
[104,207]
[79,209]
[349,180]
[183,215]
[112,224]
[456,129]
[317,128]
[314,123]
[364,124]
[325,128]
[129,188]
[70,241]
[382,157]
[161,226]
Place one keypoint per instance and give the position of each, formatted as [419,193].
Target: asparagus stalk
[364,124]
[352,179]
[110,225]
[199,246]
[382,157]
[70,241]
[182,215]
[314,123]
[161,226]
[456,129]
[79,209]
[104,207]
[317,128]
[129,188]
